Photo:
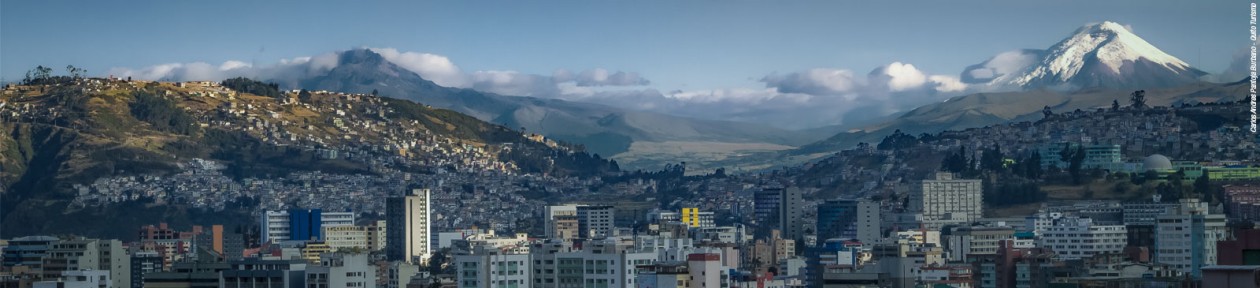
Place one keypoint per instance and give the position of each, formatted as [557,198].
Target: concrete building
[492,268]
[368,238]
[258,273]
[705,270]
[305,224]
[342,270]
[848,219]
[1231,276]
[964,243]
[944,198]
[228,246]
[409,230]
[187,275]
[89,254]
[779,208]
[27,251]
[1242,249]
[143,263]
[550,214]
[563,227]
[1242,202]
[79,279]
[595,221]
[600,263]
[663,274]
[1144,213]
[400,274]
[1075,238]
[1187,239]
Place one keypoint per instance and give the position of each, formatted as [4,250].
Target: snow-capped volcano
[1098,55]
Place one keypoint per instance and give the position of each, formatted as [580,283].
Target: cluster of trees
[1074,156]
[897,140]
[1013,192]
[992,160]
[251,86]
[162,113]
[43,75]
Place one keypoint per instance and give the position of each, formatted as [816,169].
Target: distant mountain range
[601,129]
[1089,69]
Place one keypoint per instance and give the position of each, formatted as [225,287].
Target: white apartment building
[492,269]
[599,264]
[277,225]
[1186,239]
[947,199]
[595,221]
[342,270]
[1076,238]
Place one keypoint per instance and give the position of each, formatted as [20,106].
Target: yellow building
[691,216]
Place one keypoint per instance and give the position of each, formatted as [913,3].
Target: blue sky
[677,45]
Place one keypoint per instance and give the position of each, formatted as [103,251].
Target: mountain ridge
[602,129]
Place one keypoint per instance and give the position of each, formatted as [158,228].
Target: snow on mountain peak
[1099,54]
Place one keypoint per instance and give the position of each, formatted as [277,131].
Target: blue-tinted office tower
[305,224]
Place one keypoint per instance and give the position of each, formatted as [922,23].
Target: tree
[1074,158]
[75,72]
[374,92]
[1047,112]
[1202,184]
[1137,99]
[304,96]
[992,159]
[1115,105]
[38,76]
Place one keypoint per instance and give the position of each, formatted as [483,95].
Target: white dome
[1157,162]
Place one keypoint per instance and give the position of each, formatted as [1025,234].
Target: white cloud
[801,99]
[745,96]
[513,83]
[947,83]
[899,77]
[818,81]
[1001,64]
[436,68]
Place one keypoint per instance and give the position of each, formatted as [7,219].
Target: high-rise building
[848,219]
[300,224]
[944,199]
[143,263]
[595,221]
[1186,239]
[779,208]
[408,228]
